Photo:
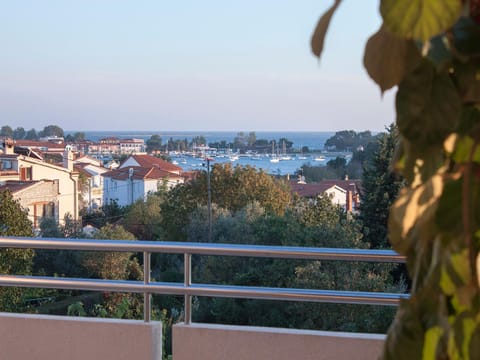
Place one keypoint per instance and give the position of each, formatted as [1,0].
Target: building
[138,176]
[22,164]
[91,182]
[40,198]
[345,193]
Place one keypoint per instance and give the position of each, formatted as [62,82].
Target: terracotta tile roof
[152,161]
[15,185]
[39,144]
[140,173]
[315,189]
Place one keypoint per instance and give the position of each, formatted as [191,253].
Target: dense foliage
[231,188]
[380,187]
[430,50]
[13,222]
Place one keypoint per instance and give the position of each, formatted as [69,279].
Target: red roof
[148,161]
[315,189]
[15,185]
[140,173]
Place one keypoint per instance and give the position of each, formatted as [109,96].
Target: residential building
[345,193]
[91,182]
[138,176]
[40,198]
[23,164]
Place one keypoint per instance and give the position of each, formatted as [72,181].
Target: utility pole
[209,200]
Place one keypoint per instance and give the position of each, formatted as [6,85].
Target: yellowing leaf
[419,19]
[388,58]
[318,37]
[432,339]
[414,207]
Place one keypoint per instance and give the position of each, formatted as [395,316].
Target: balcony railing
[189,289]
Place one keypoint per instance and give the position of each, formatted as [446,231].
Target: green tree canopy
[51,130]
[6,131]
[380,187]
[231,189]
[13,222]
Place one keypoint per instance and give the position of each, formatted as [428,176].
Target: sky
[187,65]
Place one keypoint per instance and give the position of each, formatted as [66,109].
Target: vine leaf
[413,213]
[388,58]
[432,340]
[419,19]
[428,106]
[318,37]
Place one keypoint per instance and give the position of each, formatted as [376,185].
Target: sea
[314,140]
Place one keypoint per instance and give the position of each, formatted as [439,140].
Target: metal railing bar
[147,306]
[265,293]
[284,252]
[187,282]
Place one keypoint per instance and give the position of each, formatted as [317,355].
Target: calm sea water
[314,140]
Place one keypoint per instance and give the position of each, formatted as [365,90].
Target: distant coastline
[314,140]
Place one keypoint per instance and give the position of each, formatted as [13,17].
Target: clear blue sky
[186,65]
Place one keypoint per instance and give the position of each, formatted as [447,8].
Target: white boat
[319,158]
[233,157]
[274,159]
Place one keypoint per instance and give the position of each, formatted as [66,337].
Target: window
[26,173]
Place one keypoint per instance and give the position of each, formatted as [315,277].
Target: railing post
[147,306]
[187,273]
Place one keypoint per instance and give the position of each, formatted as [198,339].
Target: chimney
[349,201]
[8,147]
[68,158]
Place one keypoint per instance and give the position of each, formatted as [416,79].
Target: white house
[342,192]
[138,176]
[128,184]
[91,189]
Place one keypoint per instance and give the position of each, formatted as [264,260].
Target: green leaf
[318,37]
[449,213]
[428,106]
[405,335]
[467,78]
[432,339]
[466,37]
[463,150]
[470,121]
[412,214]
[439,51]
[419,19]
[388,58]
[474,346]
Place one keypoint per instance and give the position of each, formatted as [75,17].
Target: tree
[119,266]
[154,143]
[31,135]
[13,222]
[6,131]
[143,218]
[51,130]
[19,133]
[231,189]
[435,221]
[380,187]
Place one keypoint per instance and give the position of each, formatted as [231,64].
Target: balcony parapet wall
[219,342]
[45,337]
